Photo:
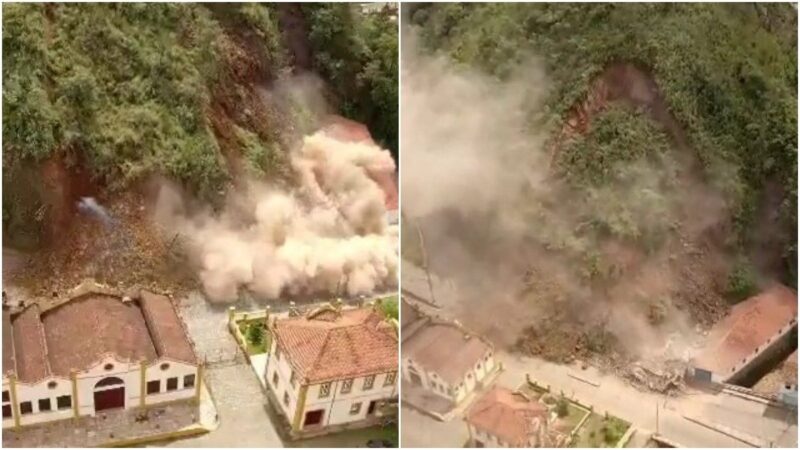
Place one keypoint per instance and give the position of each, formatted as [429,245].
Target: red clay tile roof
[78,333]
[166,328]
[81,331]
[9,364]
[329,346]
[747,327]
[446,349]
[507,415]
[30,348]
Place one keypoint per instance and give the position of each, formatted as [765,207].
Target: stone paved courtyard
[106,427]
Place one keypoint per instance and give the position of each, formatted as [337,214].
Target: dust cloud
[326,233]
[505,226]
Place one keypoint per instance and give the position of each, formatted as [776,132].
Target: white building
[92,352]
[442,357]
[504,418]
[332,368]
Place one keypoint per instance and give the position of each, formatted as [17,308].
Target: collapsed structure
[94,351]
[332,368]
[755,332]
[506,418]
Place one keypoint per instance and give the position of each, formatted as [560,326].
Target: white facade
[433,382]
[56,398]
[338,402]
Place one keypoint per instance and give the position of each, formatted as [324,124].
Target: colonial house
[505,418]
[332,368]
[442,357]
[758,330]
[94,351]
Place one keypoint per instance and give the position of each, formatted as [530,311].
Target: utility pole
[425,263]
[656,416]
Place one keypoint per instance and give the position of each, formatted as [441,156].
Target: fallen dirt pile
[128,253]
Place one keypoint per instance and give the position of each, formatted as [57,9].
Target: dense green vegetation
[728,74]
[130,90]
[359,58]
[120,88]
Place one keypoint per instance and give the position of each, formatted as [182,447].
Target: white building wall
[128,372]
[281,366]
[175,369]
[8,422]
[38,391]
[452,391]
[337,405]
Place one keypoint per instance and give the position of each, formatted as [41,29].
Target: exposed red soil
[690,269]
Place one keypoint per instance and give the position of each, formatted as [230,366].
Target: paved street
[627,402]
[242,406]
[420,430]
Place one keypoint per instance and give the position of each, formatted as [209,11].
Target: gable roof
[166,329]
[30,347]
[508,415]
[748,326]
[446,349]
[328,345]
[79,332]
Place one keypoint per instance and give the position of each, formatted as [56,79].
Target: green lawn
[255,348]
[575,415]
[600,432]
[389,306]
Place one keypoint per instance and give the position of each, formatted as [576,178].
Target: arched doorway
[109,393]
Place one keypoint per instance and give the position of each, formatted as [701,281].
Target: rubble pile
[663,377]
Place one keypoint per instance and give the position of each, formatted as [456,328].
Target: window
[188,381]
[64,402]
[52,385]
[369,382]
[6,398]
[25,408]
[6,411]
[324,390]
[479,366]
[355,408]
[108,367]
[347,386]
[44,405]
[390,379]
[275,378]
[164,366]
[286,398]
[172,383]
[153,387]
[293,379]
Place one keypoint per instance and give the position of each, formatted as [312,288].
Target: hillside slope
[670,152]
[100,98]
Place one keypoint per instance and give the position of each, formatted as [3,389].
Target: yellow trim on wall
[143,381]
[73,375]
[12,380]
[298,410]
[199,382]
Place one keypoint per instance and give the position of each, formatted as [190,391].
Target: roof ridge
[318,356]
[40,325]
